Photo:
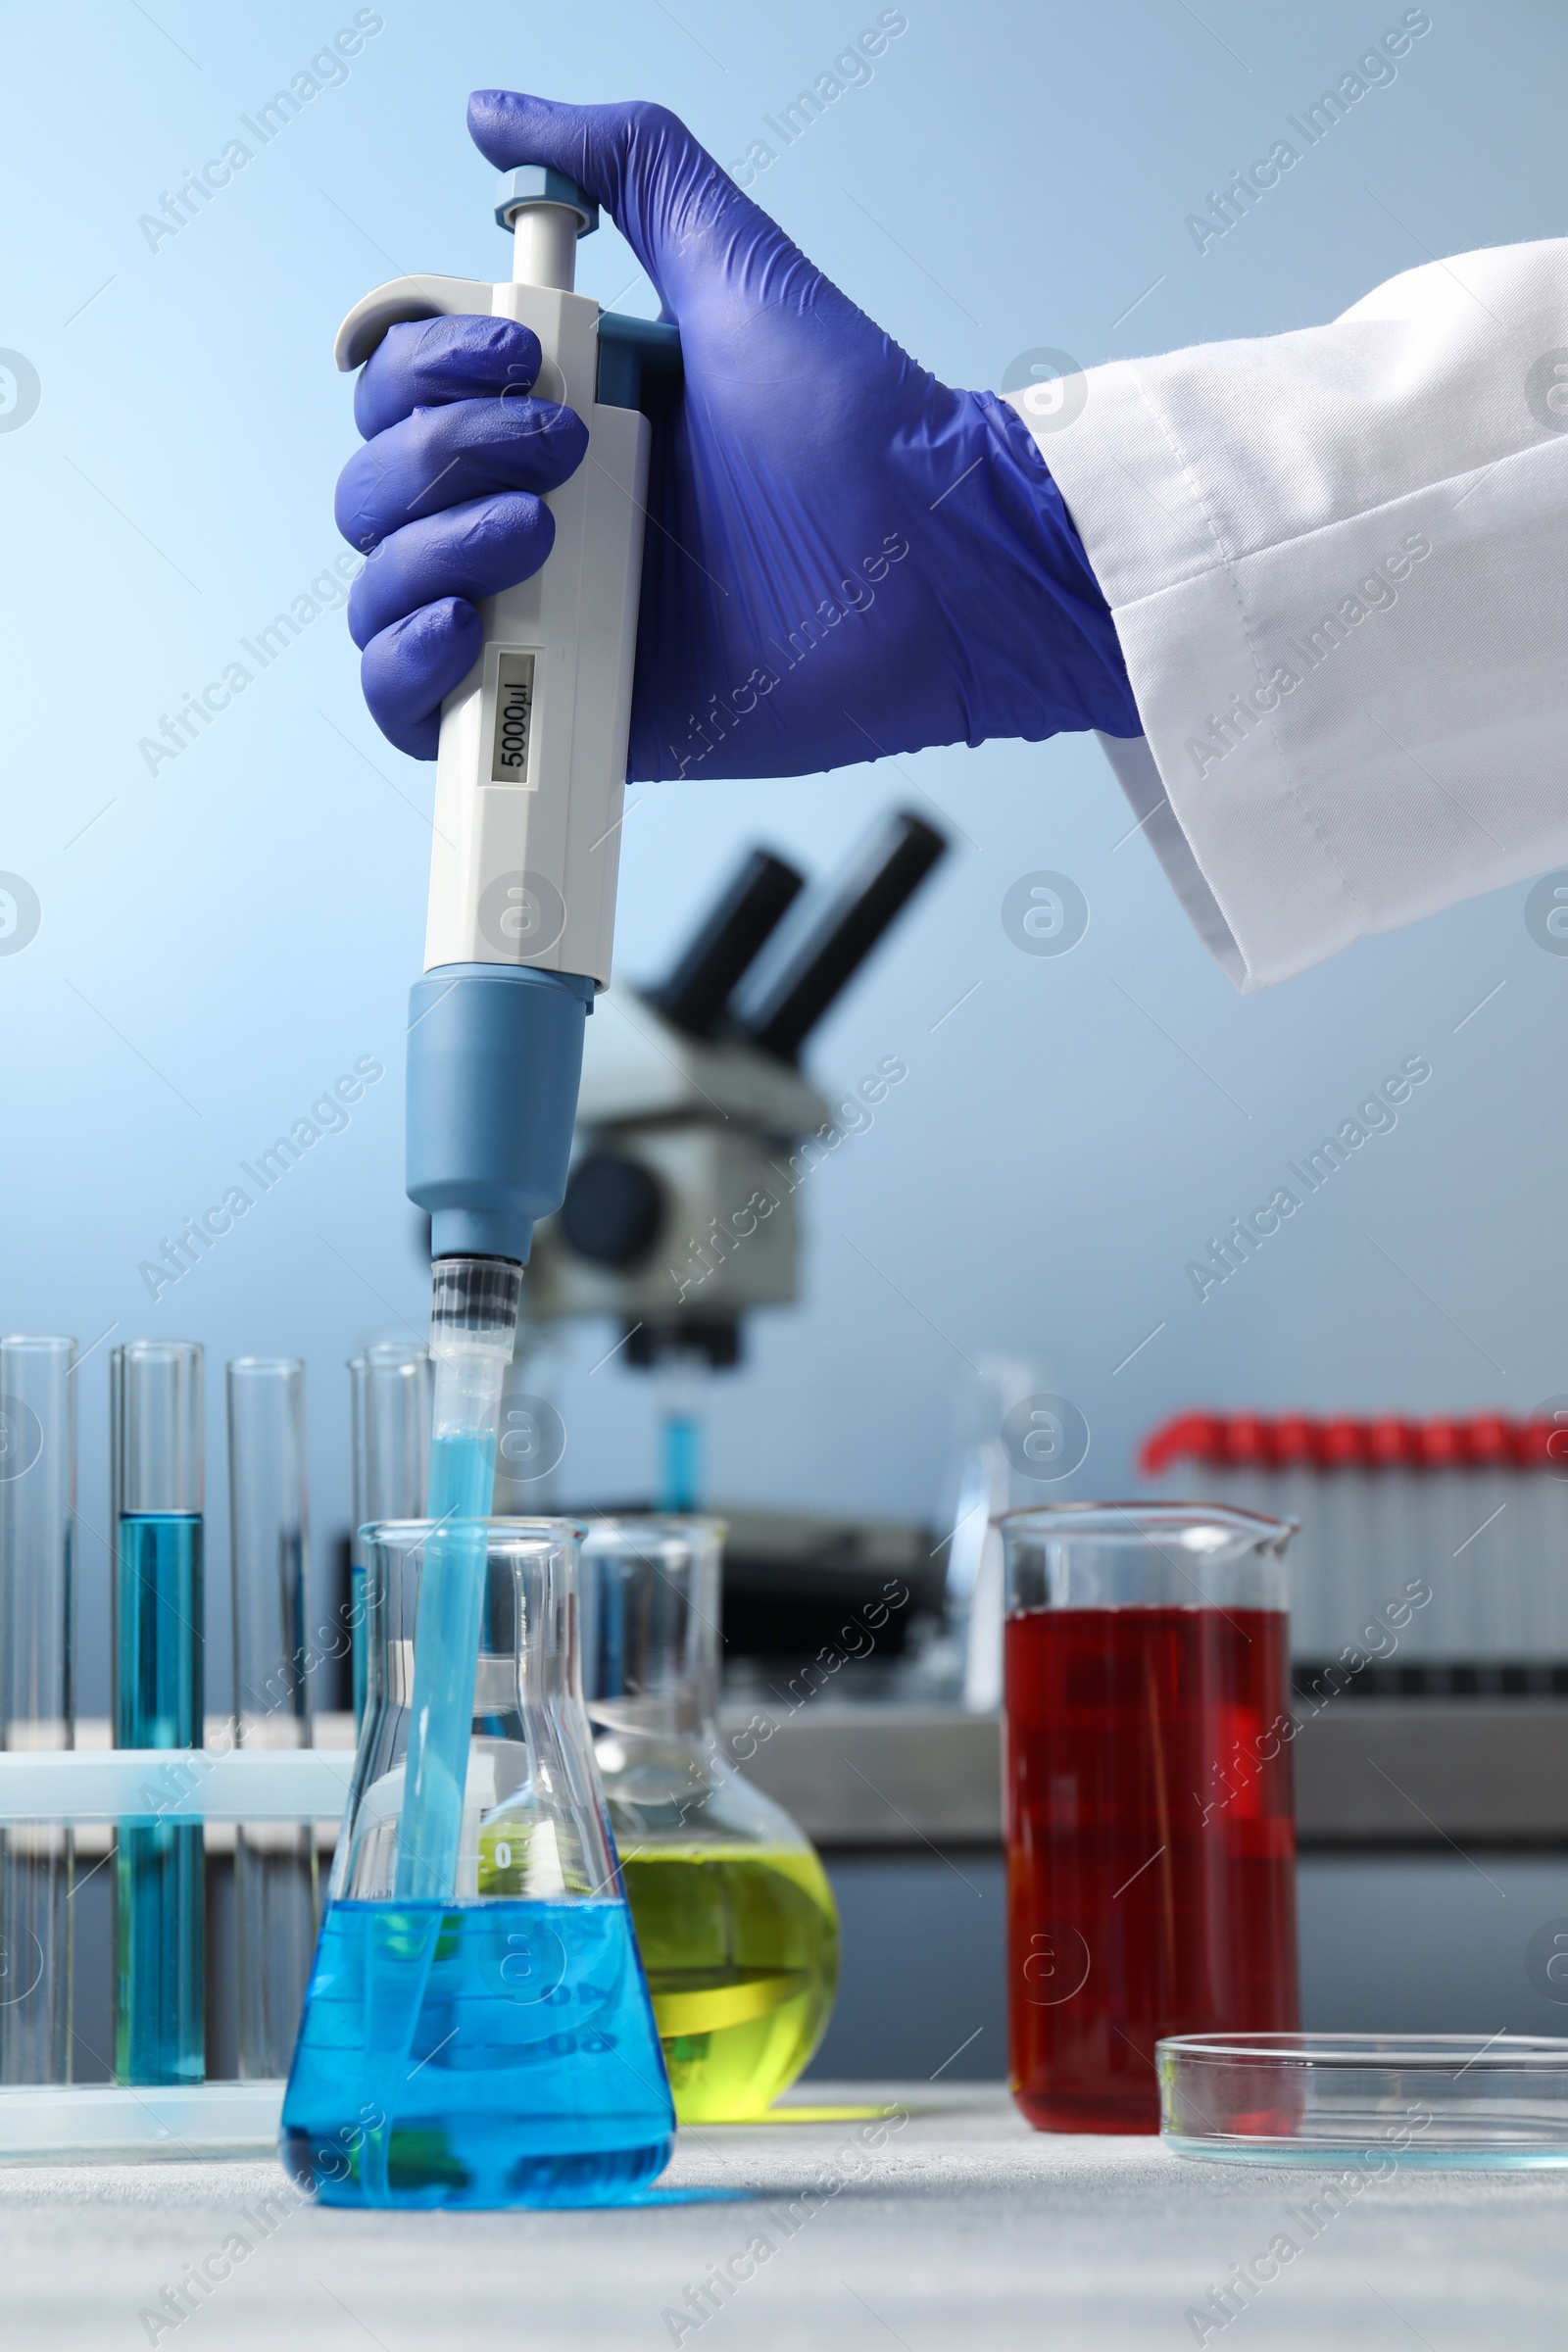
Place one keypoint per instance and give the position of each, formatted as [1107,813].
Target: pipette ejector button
[537,183]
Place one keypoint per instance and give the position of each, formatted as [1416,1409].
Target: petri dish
[1451,2099]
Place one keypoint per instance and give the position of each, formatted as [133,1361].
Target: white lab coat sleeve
[1338,561]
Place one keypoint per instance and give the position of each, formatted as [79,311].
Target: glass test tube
[1495,1632]
[1542,1508]
[274,1862]
[159,1699]
[685,1380]
[532,1437]
[37,1695]
[1448,1557]
[1345,1533]
[1293,1494]
[392,1400]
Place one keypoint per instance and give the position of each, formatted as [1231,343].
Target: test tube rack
[97,1789]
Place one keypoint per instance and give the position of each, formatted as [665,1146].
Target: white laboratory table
[965,2229]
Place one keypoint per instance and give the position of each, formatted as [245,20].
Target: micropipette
[530,782]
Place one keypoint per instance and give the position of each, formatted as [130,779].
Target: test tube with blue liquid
[684,1378]
[391,1395]
[37,1695]
[159,1699]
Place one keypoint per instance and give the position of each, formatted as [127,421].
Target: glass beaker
[734,1915]
[1151,1828]
[489,2043]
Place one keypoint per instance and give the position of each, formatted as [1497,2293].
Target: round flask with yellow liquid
[732,1909]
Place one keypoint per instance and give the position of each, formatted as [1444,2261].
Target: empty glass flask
[734,1914]
[487,2041]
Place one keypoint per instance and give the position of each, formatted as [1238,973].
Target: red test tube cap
[1392,1444]
[1490,1441]
[1187,1437]
[1341,1444]
[1249,1442]
[1445,1445]
[1295,1442]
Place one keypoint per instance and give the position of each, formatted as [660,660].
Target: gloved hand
[844,557]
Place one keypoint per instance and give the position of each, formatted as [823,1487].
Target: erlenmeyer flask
[734,1914]
[489,2043]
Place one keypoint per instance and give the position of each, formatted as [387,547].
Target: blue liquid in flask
[160,1981]
[488,2053]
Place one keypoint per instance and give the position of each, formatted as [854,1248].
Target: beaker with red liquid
[1150,1827]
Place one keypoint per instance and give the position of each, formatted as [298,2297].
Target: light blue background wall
[218,942]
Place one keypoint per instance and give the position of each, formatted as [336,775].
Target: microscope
[697,1138]
[696,1127]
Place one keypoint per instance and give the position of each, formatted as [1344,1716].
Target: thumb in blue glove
[844,558]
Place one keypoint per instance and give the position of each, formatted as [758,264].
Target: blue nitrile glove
[843,557]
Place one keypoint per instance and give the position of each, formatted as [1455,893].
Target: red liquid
[1130,1915]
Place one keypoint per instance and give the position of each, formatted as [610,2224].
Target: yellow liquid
[741,1945]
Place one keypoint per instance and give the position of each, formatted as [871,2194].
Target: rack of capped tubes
[1432,1557]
